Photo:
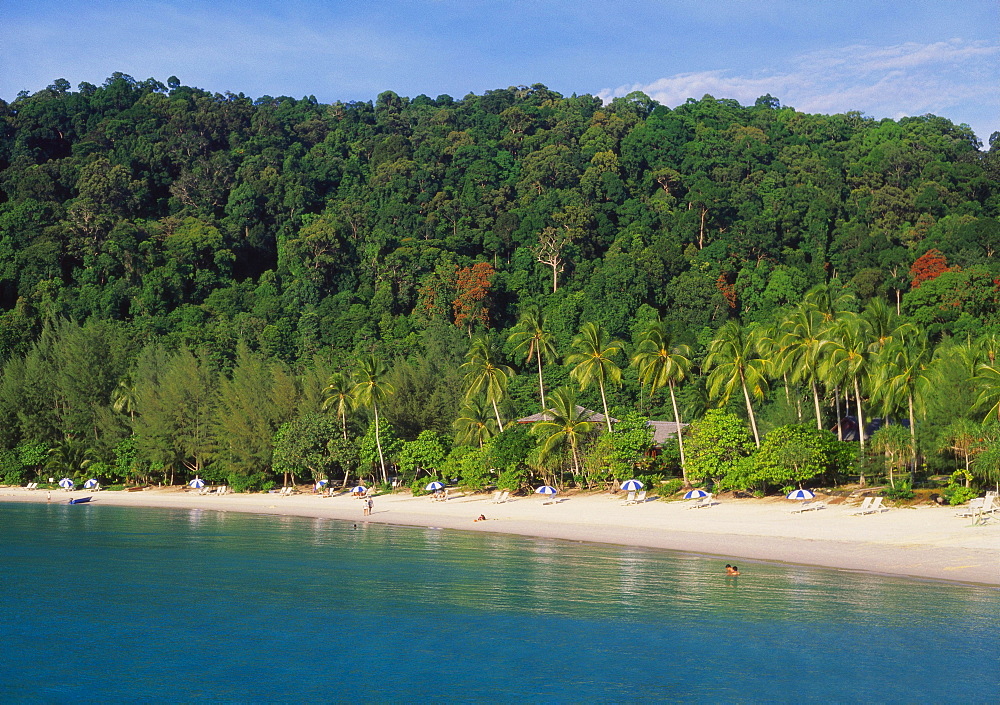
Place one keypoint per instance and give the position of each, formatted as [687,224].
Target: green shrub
[958,494]
[511,479]
[669,488]
[900,491]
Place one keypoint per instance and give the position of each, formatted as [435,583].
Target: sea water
[147,605]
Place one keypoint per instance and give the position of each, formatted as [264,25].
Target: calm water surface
[110,603]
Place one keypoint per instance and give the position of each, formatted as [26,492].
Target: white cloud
[956,79]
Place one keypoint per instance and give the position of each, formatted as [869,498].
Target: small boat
[80,500]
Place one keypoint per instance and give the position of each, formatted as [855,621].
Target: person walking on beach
[365,508]
[371,505]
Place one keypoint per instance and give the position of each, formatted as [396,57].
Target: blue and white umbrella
[90,484]
[360,489]
[546,489]
[632,485]
[66,483]
[434,486]
[695,494]
[801,494]
[321,484]
[197,483]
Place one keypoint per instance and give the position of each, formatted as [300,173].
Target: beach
[924,542]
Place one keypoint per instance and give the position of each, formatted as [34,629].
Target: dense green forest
[255,290]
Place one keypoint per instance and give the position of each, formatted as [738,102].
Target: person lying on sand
[481,517]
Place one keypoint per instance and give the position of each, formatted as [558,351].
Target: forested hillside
[195,283]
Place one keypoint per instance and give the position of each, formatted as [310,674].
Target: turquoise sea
[116,604]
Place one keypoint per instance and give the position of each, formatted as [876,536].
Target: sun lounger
[708,501]
[496,496]
[808,507]
[32,486]
[223,489]
[502,497]
[871,505]
[630,499]
[640,498]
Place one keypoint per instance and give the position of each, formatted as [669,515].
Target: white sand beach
[920,542]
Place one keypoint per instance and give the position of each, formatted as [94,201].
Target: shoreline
[924,542]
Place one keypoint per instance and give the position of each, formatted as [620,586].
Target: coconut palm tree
[475,423]
[565,426]
[338,394]
[903,374]
[485,373]
[848,359]
[734,363]
[370,389]
[804,342]
[660,363]
[532,338]
[593,362]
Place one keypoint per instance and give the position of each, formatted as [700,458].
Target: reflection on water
[454,614]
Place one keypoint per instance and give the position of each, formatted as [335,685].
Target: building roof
[664,430]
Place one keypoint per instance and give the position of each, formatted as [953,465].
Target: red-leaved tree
[930,265]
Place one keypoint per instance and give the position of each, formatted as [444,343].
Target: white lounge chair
[873,507]
[223,489]
[808,507]
[640,497]
[32,486]
[504,496]
[866,504]
[496,496]
[630,499]
[706,501]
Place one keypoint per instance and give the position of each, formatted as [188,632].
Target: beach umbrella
[197,483]
[696,494]
[801,494]
[90,484]
[546,489]
[360,489]
[321,484]
[434,486]
[66,483]
[631,485]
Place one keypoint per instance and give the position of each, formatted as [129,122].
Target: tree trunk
[836,405]
[497,412]
[861,427]
[680,440]
[378,444]
[607,416]
[819,418]
[753,419]
[541,388]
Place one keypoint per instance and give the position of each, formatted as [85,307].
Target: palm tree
[338,392]
[124,399]
[370,388]
[592,361]
[735,363]
[848,359]
[532,337]
[830,299]
[485,374]
[904,373]
[475,423]
[662,364]
[805,344]
[566,424]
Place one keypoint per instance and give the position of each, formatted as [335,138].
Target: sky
[884,58]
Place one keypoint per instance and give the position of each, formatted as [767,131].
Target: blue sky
[883,57]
